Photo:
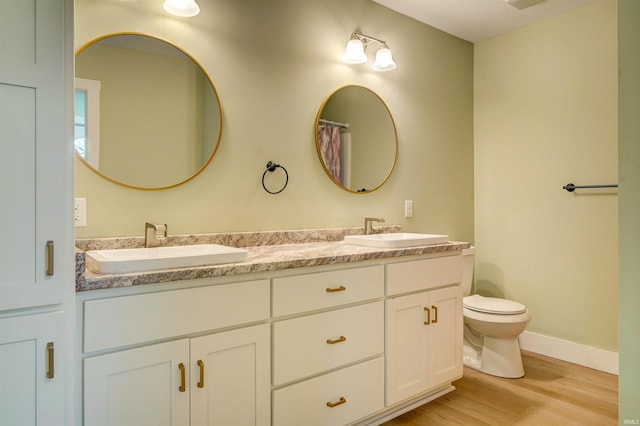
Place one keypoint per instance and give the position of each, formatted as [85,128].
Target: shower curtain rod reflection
[334,123]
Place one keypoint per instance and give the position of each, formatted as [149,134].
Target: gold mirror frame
[392,130]
[208,80]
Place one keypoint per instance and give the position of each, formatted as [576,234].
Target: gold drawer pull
[201,381]
[435,314]
[333,290]
[338,340]
[341,401]
[183,386]
[50,361]
[428,321]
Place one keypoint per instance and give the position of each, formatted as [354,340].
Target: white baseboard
[576,353]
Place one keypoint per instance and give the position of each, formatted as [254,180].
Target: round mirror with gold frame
[356,139]
[147,115]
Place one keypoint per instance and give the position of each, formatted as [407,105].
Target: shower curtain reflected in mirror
[329,138]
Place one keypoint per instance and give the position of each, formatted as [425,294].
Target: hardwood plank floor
[553,392]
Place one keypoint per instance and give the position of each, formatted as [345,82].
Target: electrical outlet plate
[80,212]
[408,208]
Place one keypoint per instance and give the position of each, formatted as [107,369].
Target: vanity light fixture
[355,52]
[182,8]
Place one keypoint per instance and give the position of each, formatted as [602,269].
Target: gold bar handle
[338,340]
[435,314]
[50,361]
[201,381]
[428,321]
[49,258]
[183,386]
[335,289]
[341,401]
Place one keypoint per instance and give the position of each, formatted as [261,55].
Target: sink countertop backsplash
[268,251]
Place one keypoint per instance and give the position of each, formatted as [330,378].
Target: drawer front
[316,343]
[129,320]
[361,387]
[418,275]
[303,293]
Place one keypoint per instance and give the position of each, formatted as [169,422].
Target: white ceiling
[477,20]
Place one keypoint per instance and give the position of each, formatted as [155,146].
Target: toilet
[491,328]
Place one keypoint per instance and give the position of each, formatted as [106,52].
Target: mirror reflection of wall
[159,119]
[356,139]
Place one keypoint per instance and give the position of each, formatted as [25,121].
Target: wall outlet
[408,208]
[80,212]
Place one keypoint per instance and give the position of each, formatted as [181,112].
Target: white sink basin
[148,259]
[396,240]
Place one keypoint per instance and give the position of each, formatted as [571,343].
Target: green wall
[273,63]
[629,104]
[545,114]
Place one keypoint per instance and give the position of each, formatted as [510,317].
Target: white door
[407,371]
[445,335]
[32,352]
[230,378]
[35,155]
[138,387]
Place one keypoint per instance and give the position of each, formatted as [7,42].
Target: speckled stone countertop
[267,251]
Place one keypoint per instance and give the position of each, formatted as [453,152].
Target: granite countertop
[277,254]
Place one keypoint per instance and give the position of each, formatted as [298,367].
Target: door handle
[201,381]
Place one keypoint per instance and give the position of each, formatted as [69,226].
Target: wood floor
[552,392]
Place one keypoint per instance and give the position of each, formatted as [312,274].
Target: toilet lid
[493,305]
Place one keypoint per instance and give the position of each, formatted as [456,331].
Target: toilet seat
[493,305]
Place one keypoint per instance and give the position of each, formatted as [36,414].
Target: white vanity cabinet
[204,377]
[343,344]
[328,366]
[424,327]
[217,379]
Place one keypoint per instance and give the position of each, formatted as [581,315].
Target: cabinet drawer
[302,293]
[418,275]
[128,320]
[361,386]
[316,343]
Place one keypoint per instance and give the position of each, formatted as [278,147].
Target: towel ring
[271,167]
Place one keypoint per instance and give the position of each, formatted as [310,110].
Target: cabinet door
[424,342]
[230,378]
[407,347]
[142,386]
[445,335]
[31,385]
[35,153]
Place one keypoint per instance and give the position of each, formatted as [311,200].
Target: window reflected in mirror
[147,115]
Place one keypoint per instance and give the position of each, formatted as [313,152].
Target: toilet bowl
[491,329]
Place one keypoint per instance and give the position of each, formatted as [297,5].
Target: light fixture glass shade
[182,8]
[354,54]
[384,61]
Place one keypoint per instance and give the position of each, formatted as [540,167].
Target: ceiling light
[355,52]
[182,8]
[523,4]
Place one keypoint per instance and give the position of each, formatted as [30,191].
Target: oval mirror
[356,139]
[147,115]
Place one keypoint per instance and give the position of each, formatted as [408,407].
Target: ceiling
[477,20]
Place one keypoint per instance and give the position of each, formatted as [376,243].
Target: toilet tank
[468,263]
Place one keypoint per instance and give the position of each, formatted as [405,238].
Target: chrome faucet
[368,225]
[155,234]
